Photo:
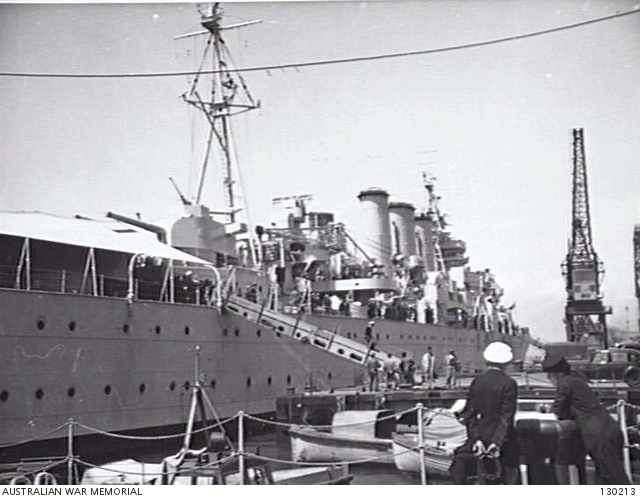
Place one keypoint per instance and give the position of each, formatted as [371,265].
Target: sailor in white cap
[368,334]
[489,415]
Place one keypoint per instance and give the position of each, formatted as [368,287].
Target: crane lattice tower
[585,314]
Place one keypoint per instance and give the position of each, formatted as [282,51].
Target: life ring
[45,478]
[20,480]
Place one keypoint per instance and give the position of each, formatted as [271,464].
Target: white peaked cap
[498,353]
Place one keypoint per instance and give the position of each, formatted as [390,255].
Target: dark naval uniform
[489,416]
[600,433]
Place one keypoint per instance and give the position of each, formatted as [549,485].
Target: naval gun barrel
[157,230]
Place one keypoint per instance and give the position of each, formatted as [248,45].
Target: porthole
[288,379]
[142,387]
[172,386]
[4,396]
[269,380]
[72,326]
[237,332]
[187,330]
[225,332]
[340,351]
[107,389]
[125,328]
[71,392]
[213,384]
[39,393]
[249,382]
[280,328]
[40,324]
[158,329]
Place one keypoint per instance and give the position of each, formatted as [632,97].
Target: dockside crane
[585,314]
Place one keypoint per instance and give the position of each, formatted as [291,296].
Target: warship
[100,318]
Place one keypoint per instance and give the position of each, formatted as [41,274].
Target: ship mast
[228,96]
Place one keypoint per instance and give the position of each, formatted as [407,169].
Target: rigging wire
[327,61]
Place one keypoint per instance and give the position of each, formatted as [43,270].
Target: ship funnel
[403,228]
[374,221]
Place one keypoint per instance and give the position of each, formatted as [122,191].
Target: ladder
[297,329]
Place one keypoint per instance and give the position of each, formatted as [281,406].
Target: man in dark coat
[489,415]
[600,433]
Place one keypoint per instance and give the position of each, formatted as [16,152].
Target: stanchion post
[622,418]
[423,471]
[70,456]
[241,446]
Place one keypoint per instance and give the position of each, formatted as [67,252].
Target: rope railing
[36,438]
[395,415]
[159,437]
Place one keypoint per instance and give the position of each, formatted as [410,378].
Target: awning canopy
[99,234]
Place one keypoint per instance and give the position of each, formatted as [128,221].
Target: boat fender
[45,478]
[20,480]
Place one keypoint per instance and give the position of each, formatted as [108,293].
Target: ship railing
[76,283]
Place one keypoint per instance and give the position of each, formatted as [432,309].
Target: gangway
[296,328]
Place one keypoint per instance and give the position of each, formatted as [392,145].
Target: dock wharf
[316,407]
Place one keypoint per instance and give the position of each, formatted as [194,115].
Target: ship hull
[114,366]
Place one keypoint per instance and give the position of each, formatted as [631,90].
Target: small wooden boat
[353,436]
[442,434]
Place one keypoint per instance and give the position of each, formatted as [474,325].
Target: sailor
[489,415]
[391,369]
[368,334]
[373,366]
[429,368]
[600,433]
[451,363]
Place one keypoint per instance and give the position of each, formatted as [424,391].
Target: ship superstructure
[409,269]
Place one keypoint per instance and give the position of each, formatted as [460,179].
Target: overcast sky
[492,123]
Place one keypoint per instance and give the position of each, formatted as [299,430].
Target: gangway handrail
[297,329]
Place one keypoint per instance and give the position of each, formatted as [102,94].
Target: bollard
[622,418]
[70,451]
[423,471]
[241,446]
